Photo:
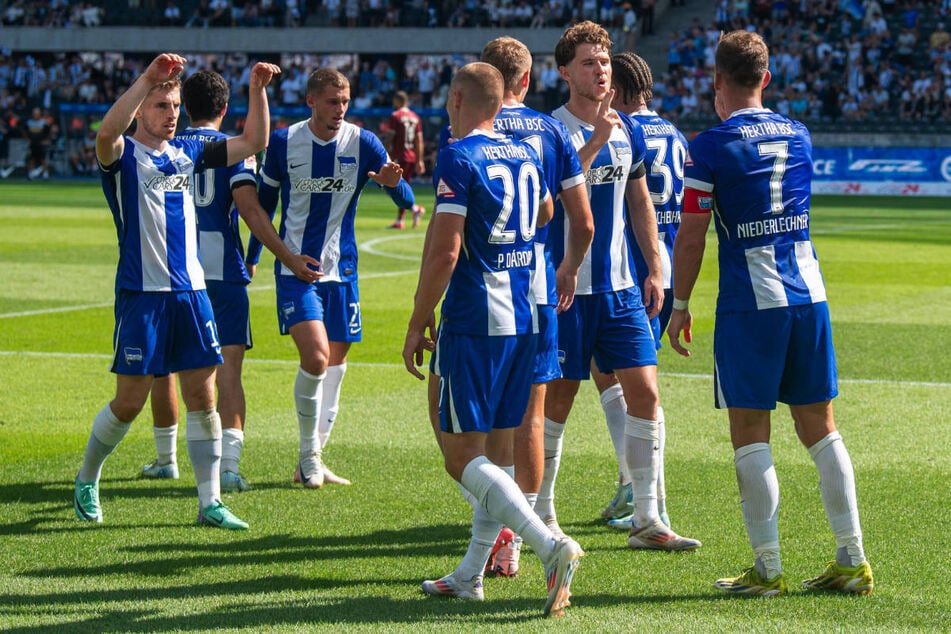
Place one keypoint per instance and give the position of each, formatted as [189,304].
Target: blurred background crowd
[843,65]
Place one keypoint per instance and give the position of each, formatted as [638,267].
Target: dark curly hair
[205,94]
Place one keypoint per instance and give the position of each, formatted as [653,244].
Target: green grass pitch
[351,559]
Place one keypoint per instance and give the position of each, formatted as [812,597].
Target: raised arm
[258,124]
[605,122]
[109,140]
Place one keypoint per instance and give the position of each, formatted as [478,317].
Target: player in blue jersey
[316,169]
[164,320]
[490,196]
[666,150]
[608,321]
[773,339]
[220,196]
[565,179]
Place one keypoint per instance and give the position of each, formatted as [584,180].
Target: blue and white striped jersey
[666,153]
[756,171]
[608,264]
[497,183]
[319,184]
[151,197]
[549,138]
[219,233]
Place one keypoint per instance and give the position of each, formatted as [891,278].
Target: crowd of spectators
[336,13]
[878,64]
[834,62]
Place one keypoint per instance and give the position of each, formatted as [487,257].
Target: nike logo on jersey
[294,167]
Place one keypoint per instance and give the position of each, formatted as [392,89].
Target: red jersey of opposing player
[406,142]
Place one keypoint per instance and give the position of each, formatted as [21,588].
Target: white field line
[366,247]
[360,364]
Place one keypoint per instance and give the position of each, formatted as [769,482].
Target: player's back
[758,166]
[549,138]
[666,154]
[405,126]
[496,182]
[219,237]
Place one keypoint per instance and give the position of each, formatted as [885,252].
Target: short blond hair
[323,77]
[511,58]
[481,87]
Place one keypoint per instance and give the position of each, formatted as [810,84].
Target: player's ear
[766,77]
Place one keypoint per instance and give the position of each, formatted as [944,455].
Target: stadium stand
[839,65]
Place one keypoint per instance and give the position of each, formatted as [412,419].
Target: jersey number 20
[529,187]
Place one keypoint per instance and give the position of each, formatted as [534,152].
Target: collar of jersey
[744,111]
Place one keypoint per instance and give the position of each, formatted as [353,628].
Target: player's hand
[653,295]
[305,268]
[165,67]
[680,320]
[566,282]
[420,167]
[252,269]
[388,176]
[262,73]
[416,342]
[433,332]
[606,119]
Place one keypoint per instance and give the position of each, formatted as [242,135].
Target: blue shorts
[484,382]
[161,332]
[337,304]
[547,367]
[229,300]
[779,354]
[612,328]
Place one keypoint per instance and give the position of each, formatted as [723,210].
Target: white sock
[640,440]
[531,498]
[330,401]
[232,442]
[203,435]
[485,530]
[837,485]
[165,440]
[107,432]
[661,445]
[615,413]
[759,498]
[554,436]
[307,393]
[499,496]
